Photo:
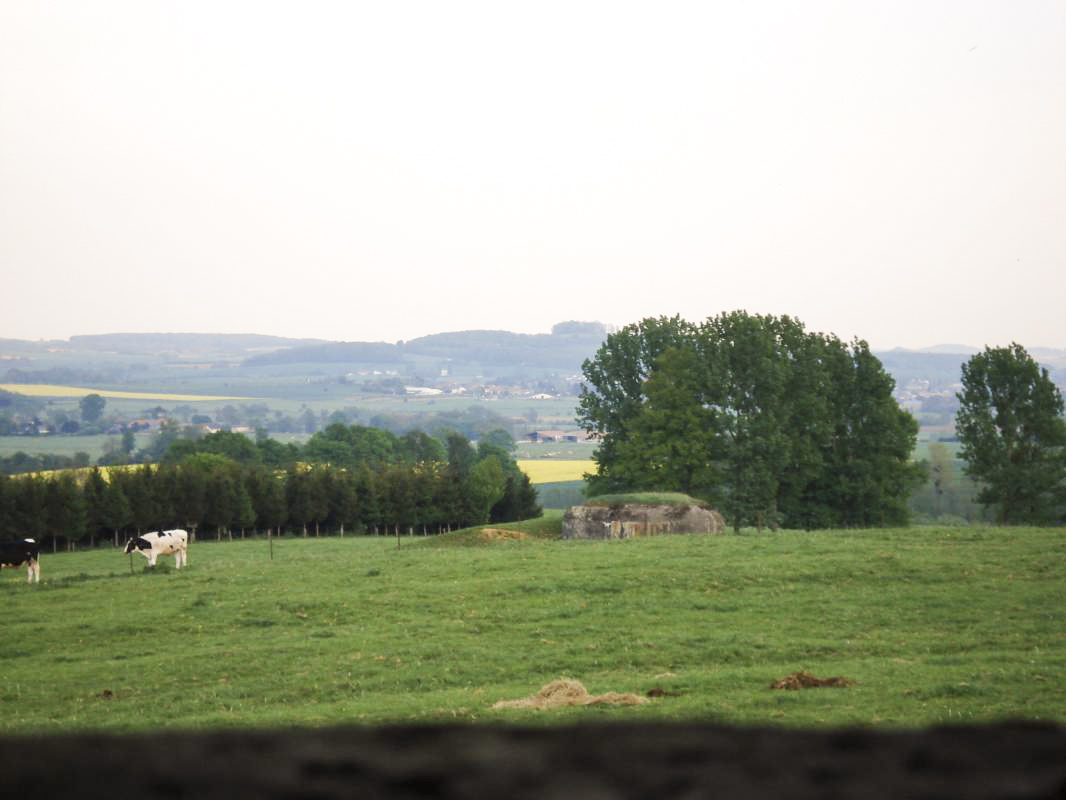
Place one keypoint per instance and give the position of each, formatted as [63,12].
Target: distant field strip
[51,390]
[548,471]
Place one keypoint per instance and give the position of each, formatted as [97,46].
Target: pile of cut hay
[567,692]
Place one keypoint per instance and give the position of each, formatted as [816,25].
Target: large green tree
[92,407]
[612,399]
[115,509]
[1013,435]
[750,385]
[484,487]
[352,446]
[140,490]
[93,492]
[672,441]
[267,491]
[871,441]
[220,500]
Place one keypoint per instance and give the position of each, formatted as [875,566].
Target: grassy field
[935,626]
[94,445]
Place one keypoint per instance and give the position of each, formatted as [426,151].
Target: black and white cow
[152,545]
[22,551]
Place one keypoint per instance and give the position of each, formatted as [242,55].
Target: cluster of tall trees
[434,487]
[770,423]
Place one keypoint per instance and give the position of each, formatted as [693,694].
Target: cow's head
[137,544]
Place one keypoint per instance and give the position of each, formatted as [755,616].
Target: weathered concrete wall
[630,521]
[622,760]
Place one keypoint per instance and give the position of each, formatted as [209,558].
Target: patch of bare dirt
[567,692]
[659,691]
[804,680]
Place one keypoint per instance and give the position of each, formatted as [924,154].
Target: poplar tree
[94,491]
[116,511]
[1013,435]
[66,512]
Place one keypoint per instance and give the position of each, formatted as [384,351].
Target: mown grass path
[936,626]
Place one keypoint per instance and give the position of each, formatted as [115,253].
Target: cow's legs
[33,571]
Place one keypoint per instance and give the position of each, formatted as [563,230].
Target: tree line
[363,481]
[20,462]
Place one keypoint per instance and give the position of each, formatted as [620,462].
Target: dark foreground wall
[652,761]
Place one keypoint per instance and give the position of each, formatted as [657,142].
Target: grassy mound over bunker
[646,499]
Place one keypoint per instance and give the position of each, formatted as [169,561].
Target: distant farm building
[422,391]
[556,436]
[147,424]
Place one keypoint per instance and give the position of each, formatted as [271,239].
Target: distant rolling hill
[233,344]
[564,349]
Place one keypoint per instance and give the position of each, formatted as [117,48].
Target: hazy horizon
[892,171]
[961,348]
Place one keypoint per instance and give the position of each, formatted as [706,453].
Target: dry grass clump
[497,534]
[568,692]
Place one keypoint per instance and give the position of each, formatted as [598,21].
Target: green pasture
[933,625]
[95,445]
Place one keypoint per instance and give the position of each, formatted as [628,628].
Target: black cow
[15,553]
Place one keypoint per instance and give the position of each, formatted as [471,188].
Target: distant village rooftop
[557,436]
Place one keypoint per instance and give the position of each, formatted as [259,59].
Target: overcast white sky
[384,170]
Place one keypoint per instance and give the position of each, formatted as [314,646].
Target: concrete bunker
[622,519]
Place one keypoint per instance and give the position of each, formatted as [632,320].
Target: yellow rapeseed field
[52,390]
[548,471]
[81,473]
